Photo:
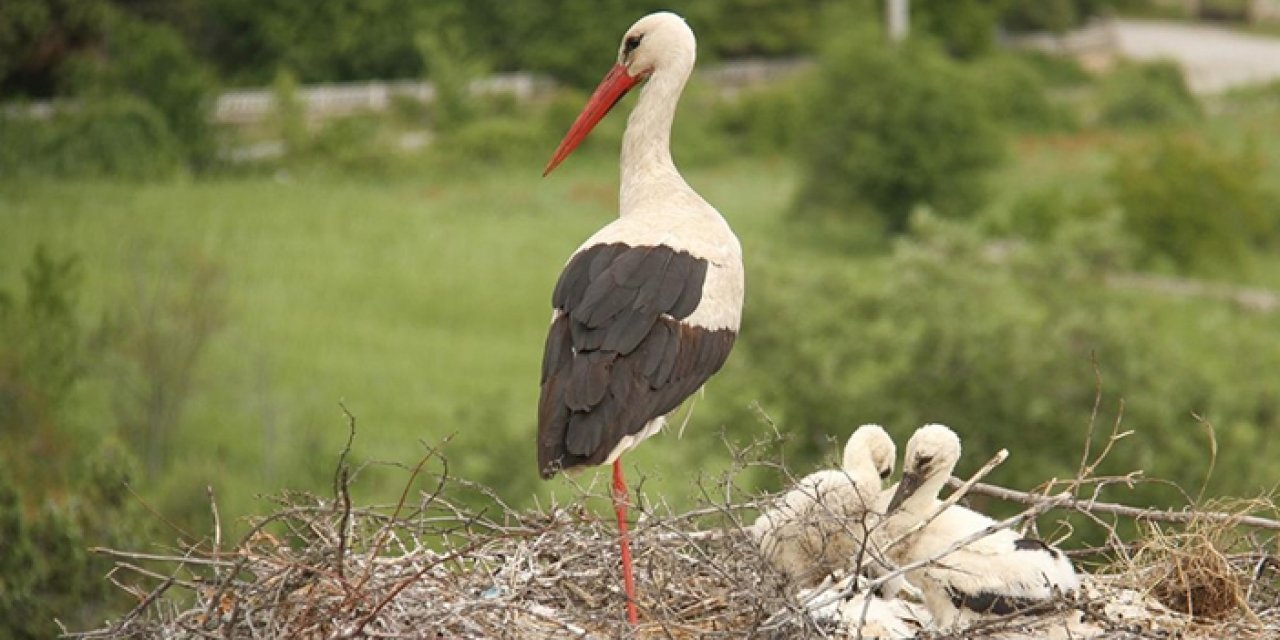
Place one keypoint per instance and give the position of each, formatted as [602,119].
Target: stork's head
[657,41]
[654,44]
[932,454]
[870,441]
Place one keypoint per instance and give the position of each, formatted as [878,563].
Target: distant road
[1214,59]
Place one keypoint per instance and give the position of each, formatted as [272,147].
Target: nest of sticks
[452,560]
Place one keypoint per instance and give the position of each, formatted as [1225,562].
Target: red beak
[616,83]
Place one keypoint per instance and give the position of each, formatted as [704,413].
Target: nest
[454,561]
[1208,568]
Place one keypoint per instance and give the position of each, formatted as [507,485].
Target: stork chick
[999,574]
[821,523]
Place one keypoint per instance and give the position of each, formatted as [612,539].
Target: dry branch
[1137,513]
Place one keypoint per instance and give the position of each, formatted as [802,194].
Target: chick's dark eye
[884,473]
[632,42]
[924,461]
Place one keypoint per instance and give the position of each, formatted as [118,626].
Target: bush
[1017,95]
[999,344]
[1194,208]
[1056,71]
[892,128]
[1041,15]
[451,71]
[763,121]
[152,63]
[289,111]
[966,28]
[1147,94]
[1040,215]
[119,137]
[61,490]
[493,141]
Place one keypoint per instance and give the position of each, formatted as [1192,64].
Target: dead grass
[1209,568]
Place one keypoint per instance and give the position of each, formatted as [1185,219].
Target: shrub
[766,120]
[892,128]
[1017,95]
[1147,94]
[1039,215]
[493,141]
[152,63]
[1055,70]
[118,137]
[451,71]
[1194,208]
[966,28]
[999,346]
[1036,15]
[363,145]
[289,111]
[61,490]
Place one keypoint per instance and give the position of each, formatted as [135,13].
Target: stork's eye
[884,473]
[631,43]
[924,461]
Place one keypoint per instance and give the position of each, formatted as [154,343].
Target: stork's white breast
[704,234]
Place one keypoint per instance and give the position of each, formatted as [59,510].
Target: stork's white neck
[926,495]
[647,167]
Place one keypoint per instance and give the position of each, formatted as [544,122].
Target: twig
[1093,416]
[376,547]
[1213,453]
[143,604]
[952,499]
[157,575]
[1137,513]
[217,520]
[395,591]
[212,562]
[159,516]
[342,491]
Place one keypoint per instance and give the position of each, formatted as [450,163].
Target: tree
[893,128]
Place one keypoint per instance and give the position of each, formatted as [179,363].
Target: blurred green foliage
[247,41]
[451,69]
[892,128]
[997,340]
[966,28]
[60,489]
[174,55]
[1016,95]
[1194,208]
[765,120]
[151,63]
[117,137]
[289,112]
[38,36]
[1147,94]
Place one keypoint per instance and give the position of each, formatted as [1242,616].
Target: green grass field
[420,303]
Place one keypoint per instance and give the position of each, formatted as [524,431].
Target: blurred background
[219,219]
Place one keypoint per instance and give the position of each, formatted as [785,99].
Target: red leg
[620,501]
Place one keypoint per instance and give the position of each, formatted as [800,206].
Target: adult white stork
[999,574]
[647,309]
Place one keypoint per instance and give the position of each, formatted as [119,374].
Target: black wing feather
[990,603]
[617,355]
